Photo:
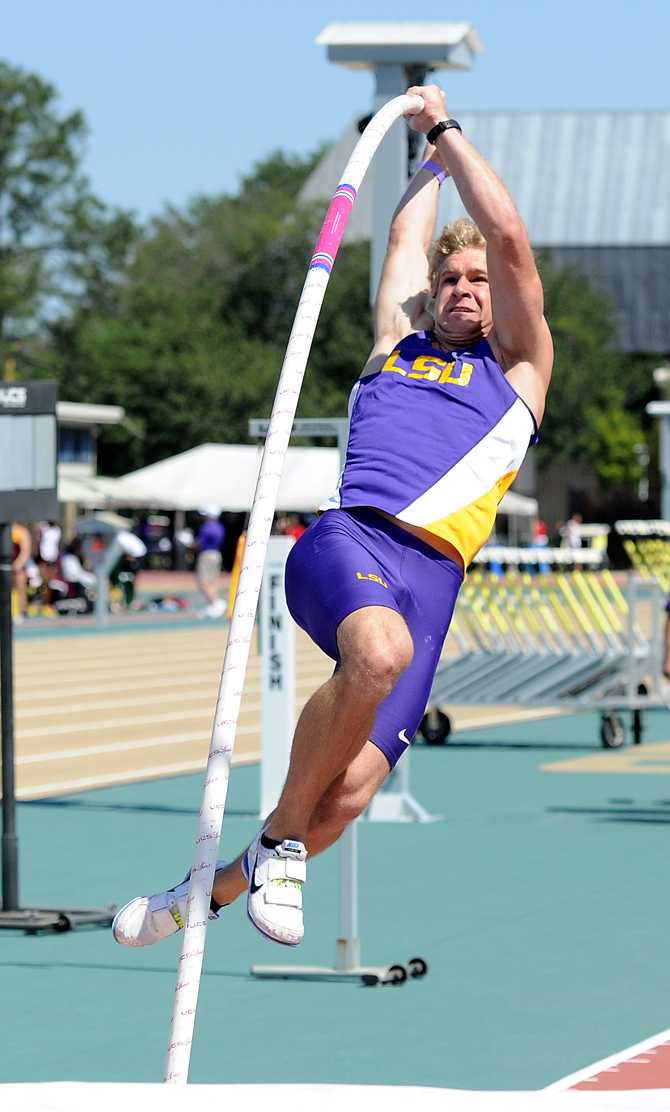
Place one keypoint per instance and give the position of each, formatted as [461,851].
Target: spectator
[49,542]
[68,588]
[124,572]
[48,550]
[293,527]
[72,569]
[540,534]
[571,536]
[541,540]
[21,557]
[209,543]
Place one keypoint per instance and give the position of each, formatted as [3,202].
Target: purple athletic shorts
[353,558]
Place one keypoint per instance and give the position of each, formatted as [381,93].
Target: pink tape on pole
[333,227]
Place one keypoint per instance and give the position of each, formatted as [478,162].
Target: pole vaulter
[242,625]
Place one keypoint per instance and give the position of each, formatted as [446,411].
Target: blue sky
[183,99]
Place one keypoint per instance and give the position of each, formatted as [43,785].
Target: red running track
[643,1066]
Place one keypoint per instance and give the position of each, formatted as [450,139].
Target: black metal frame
[25,505]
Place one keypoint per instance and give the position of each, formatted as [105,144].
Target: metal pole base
[394,801]
[398,807]
[33,920]
[368,974]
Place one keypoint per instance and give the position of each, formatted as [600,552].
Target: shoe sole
[115,920]
[271,937]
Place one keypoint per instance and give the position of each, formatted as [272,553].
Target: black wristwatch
[443,125]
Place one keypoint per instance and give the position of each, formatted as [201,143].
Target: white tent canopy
[518,505]
[91,491]
[225,475]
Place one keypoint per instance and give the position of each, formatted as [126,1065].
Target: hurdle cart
[553,628]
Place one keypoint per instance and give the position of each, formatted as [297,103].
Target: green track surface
[541,903]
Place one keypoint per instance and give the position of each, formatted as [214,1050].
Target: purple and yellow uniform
[435,440]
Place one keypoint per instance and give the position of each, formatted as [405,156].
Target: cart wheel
[637,727]
[417,967]
[612,733]
[369,979]
[435,727]
[395,975]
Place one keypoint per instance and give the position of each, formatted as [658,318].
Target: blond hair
[455,237]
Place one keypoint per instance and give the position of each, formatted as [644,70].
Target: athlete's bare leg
[345,799]
[375,648]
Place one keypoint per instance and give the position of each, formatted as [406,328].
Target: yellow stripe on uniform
[468,528]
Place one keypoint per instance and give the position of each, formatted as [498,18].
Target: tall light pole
[399,54]
[661,409]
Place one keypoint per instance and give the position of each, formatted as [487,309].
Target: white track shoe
[149,919]
[276,877]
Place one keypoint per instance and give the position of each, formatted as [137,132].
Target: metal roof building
[593,189]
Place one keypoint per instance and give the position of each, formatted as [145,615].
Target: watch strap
[444,125]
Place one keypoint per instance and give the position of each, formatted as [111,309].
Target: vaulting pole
[244,613]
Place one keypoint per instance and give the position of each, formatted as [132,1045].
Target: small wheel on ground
[395,975]
[369,979]
[435,727]
[612,732]
[417,967]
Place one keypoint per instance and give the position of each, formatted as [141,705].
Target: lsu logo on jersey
[431,368]
[372,577]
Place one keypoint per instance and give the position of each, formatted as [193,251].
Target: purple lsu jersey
[435,439]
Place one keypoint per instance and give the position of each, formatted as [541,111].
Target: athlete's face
[462,297]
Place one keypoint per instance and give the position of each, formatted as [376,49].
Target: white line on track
[606,1063]
[115,723]
[207,684]
[120,722]
[101,670]
[82,708]
[36,680]
[122,747]
[156,772]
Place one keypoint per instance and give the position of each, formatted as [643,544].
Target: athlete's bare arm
[519,329]
[400,306]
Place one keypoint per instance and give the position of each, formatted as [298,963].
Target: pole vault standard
[398,803]
[244,613]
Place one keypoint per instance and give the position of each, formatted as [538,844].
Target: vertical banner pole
[10,855]
[278,676]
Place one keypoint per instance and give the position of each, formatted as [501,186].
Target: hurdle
[570,637]
[244,613]
[647,546]
[396,802]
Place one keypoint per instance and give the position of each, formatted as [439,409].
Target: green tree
[587,365]
[595,398]
[58,242]
[615,435]
[192,340]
